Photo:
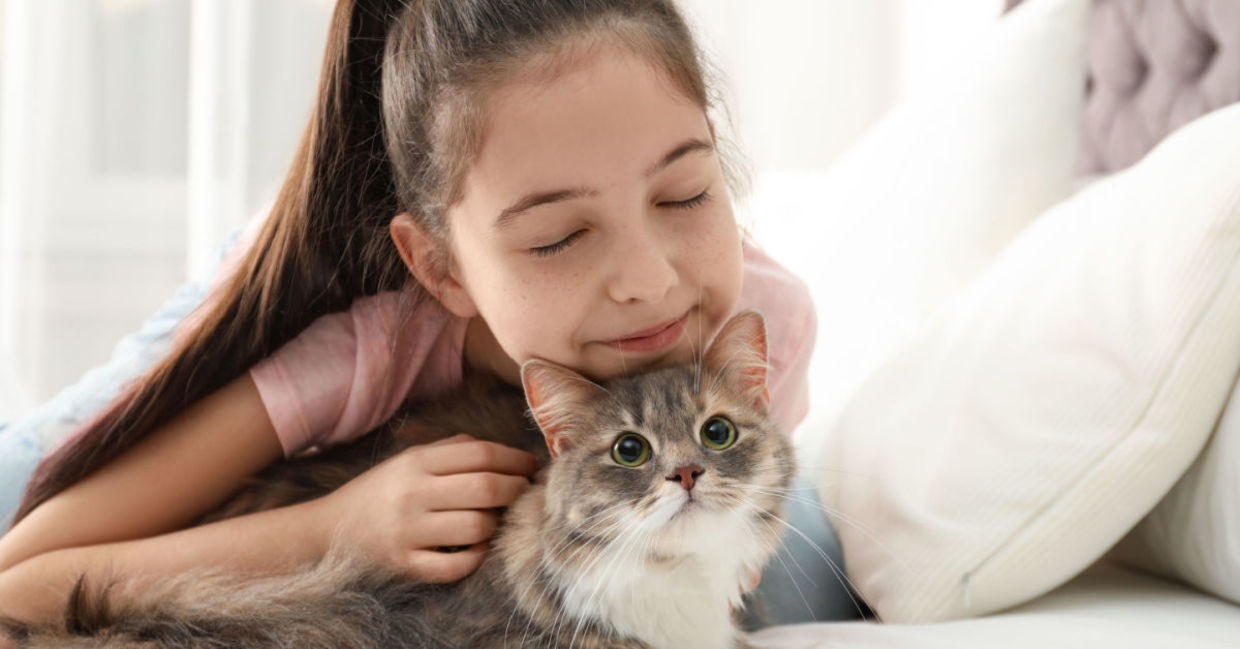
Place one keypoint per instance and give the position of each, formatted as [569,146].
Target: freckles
[549,293]
[716,245]
[561,285]
[526,286]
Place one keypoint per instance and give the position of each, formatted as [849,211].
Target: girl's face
[596,229]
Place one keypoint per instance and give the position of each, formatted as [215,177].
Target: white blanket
[1105,608]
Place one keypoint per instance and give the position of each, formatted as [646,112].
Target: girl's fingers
[477,456]
[474,491]
[444,567]
[455,439]
[457,528]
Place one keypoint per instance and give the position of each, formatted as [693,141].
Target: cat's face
[671,460]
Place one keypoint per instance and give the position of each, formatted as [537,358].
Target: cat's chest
[682,604]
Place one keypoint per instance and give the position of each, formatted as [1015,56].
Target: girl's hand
[427,497]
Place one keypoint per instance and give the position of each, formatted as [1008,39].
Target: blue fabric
[804,581]
[24,442]
[19,454]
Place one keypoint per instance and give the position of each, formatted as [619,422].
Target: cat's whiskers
[762,511]
[832,514]
[635,546]
[587,526]
[779,557]
[818,471]
[555,583]
[646,550]
[559,568]
[698,351]
[562,614]
[631,533]
[556,569]
[661,511]
[836,570]
[641,550]
[748,521]
[835,515]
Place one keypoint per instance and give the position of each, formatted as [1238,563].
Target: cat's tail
[338,604]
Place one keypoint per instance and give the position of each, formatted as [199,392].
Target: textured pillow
[931,194]
[1043,412]
[1194,533]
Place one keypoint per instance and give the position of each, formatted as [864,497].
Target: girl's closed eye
[553,248]
[688,203]
[559,246]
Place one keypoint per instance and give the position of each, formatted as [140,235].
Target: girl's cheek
[717,247]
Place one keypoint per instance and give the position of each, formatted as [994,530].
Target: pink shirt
[348,372]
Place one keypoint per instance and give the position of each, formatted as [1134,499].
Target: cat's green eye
[630,450]
[718,433]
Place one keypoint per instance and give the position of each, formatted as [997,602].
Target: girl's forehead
[609,115]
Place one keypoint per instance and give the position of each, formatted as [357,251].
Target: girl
[481,182]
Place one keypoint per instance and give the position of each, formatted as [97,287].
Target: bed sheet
[1107,607]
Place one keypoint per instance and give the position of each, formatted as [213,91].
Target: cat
[656,501]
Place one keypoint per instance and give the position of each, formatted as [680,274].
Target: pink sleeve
[348,372]
[792,326]
[339,378]
[790,387]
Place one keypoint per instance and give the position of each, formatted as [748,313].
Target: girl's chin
[601,362]
[620,363]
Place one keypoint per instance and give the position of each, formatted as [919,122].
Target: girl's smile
[652,339]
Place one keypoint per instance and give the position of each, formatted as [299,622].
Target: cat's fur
[593,555]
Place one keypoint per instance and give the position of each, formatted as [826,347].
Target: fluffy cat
[656,502]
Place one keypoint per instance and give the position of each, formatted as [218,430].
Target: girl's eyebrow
[534,199]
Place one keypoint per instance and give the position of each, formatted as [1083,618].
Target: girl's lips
[655,338]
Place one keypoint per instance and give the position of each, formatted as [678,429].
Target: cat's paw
[752,582]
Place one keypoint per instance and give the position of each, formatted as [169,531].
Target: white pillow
[964,161]
[1194,533]
[1047,409]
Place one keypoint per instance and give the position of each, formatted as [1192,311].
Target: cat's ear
[737,356]
[557,397]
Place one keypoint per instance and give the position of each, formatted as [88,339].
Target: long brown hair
[395,124]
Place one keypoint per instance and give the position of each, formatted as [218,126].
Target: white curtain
[134,134]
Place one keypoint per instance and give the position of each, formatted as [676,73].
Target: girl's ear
[423,258]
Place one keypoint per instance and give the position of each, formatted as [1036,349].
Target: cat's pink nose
[685,475]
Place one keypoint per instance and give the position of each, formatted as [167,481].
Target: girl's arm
[396,513]
[163,483]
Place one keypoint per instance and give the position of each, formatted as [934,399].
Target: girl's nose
[643,271]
